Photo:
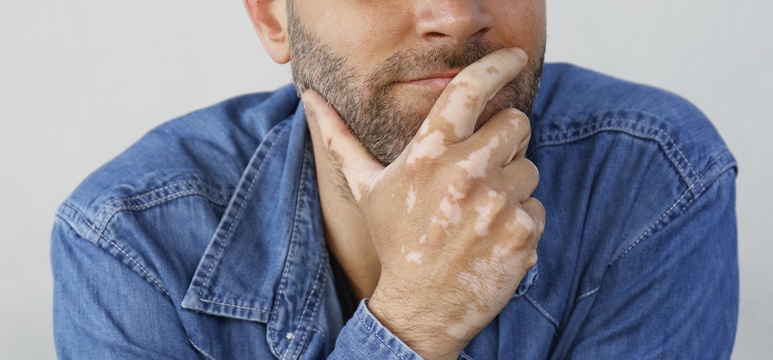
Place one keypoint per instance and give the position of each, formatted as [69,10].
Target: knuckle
[518,117]
[531,261]
[460,181]
[497,202]
[533,172]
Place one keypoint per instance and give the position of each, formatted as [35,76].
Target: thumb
[357,164]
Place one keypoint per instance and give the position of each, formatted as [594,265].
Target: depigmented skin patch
[459,96]
[450,209]
[525,220]
[483,221]
[428,147]
[414,256]
[478,161]
[411,200]
[454,194]
[450,213]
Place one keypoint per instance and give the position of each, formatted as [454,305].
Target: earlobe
[269,18]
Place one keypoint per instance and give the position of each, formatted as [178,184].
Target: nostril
[454,23]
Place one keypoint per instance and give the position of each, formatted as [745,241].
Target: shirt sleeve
[103,310]
[674,294]
[364,337]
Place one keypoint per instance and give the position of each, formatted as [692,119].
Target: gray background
[81,80]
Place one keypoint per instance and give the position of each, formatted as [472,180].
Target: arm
[103,310]
[674,294]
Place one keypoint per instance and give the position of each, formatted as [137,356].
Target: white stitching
[383,341]
[206,355]
[231,305]
[221,243]
[129,257]
[541,309]
[599,126]
[587,294]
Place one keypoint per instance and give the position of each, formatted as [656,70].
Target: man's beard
[367,103]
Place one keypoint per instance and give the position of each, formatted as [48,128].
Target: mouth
[432,81]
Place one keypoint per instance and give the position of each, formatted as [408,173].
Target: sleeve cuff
[364,337]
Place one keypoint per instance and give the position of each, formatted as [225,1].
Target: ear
[269,17]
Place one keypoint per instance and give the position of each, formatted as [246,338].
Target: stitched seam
[383,341]
[586,131]
[687,191]
[231,305]
[172,196]
[647,232]
[282,285]
[221,244]
[301,190]
[708,167]
[144,271]
[83,217]
[587,294]
[541,309]
[206,355]
[305,306]
[120,249]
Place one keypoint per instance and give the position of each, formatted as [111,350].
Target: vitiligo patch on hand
[525,220]
[414,256]
[430,147]
[450,211]
[476,163]
[483,221]
[454,194]
[411,200]
[459,94]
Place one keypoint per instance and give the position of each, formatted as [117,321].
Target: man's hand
[451,219]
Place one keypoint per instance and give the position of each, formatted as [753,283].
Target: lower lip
[430,84]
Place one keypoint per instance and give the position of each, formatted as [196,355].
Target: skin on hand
[451,219]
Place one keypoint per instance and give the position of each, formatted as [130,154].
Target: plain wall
[81,80]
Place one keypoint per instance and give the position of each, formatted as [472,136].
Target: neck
[346,233]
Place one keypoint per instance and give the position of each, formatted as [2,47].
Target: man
[393,213]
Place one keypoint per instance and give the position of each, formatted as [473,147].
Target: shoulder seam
[688,191]
[173,191]
[92,230]
[628,126]
[145,273]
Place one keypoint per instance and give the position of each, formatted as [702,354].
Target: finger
[457,110]
[507,133]
[523,177]
[357,164]
[536,212]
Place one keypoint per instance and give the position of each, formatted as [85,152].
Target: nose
[453,22]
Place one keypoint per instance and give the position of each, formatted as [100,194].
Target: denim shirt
[205,239]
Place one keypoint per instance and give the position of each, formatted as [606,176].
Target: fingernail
[309,110]
[521,54]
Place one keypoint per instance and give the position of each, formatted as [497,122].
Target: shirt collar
[267,259]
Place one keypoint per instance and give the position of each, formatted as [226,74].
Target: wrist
[415,325]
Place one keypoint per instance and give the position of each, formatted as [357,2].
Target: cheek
[523,24]
[365,32]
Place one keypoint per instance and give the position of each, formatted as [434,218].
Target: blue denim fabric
[204,239]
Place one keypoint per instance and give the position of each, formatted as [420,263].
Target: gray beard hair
[367,103]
